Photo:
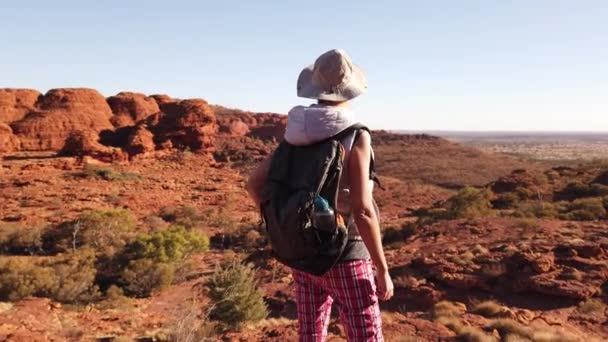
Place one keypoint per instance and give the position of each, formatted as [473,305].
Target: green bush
[469,202]
[106,231]
[170,245]
[143,276]
[235,295]
[16,239]
[585,209]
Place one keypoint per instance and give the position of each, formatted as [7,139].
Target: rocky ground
[486,277]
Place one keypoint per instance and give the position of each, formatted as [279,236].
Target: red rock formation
[8,141]
[162,99]
[130,108]
[80,144]
[60,112]
[235,128]
[140,141]
[16,103]
[187,123]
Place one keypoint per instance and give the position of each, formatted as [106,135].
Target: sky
[431,65]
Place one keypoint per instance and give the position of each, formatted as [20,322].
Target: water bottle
[324,217]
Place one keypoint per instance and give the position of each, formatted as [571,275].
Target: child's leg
[314,307]
[354,290]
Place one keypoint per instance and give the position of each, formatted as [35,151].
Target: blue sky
[431,65]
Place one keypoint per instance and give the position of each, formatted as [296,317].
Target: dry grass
[591,306]
[507,327]
[448,309]
[490,309]
[451,323]
[472,334]
[190,325]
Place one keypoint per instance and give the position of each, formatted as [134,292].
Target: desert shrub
[143,276]
[469,202]
[529,226]
[489,309]
[524,193]
[463,259]
[114,298]
[506,200]
[20,277]
[74,277]
[185,216]
[109,174]
[448,309]
[536,209]
[235,295]
[450,322]
[579,189]
[65,278]
[170,245]
[584,209]
[106,231]
[472,334]
[506,327]
[221,219]
[430,215]
[591,307]
[247,237]
[393,235]
[16,239]
[188,327]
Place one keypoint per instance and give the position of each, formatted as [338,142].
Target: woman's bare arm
[257,178]
[364,212]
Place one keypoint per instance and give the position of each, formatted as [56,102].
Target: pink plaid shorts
[351,284]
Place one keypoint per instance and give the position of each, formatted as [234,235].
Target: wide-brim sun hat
[333,77]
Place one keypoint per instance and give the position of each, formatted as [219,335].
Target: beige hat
[333,77]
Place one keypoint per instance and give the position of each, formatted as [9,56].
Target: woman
[333,81]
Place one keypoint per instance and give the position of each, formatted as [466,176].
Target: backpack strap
[357,128]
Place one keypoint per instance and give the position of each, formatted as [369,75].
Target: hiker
[333,81]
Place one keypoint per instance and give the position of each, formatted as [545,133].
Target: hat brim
[356,86]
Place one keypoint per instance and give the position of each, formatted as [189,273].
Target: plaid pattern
[351,285]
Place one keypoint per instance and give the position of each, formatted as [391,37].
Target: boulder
[140,141]
[80,144]
[130,108]
[235,128]
[8,141]
[16,103]
[186,124]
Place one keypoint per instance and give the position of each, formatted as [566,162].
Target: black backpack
[297,174]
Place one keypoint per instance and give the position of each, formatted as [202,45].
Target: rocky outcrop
[79,121]
[8,141]
[235,128]
[80,144]
[140,141]
[186,124]
[130,108]
[59,112]
[16,103]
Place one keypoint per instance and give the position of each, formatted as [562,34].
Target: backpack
[297,175]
